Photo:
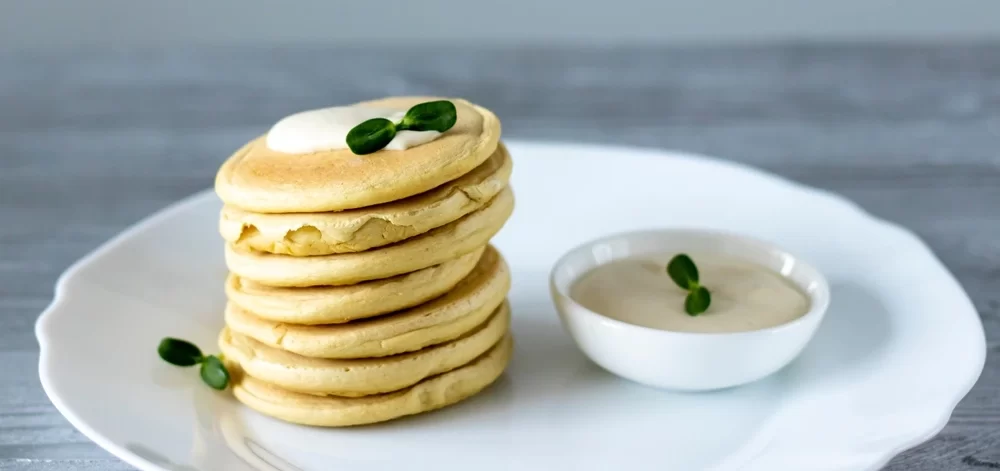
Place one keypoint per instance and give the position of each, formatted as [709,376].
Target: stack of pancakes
[363,287]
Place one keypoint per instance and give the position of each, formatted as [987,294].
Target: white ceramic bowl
[682,360]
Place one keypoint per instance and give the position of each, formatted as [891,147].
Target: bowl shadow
[851,337]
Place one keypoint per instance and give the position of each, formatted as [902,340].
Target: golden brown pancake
[262,180]
[355,230]
[437,246]
[339,304]
[364,376]
[330,411]
[442,319]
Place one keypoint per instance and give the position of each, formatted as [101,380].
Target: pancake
[355,230]
[262,180]
[437,246]
[339,304]
[365,376]
[330,411]
[445,318]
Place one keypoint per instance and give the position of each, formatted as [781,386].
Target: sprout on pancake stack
[374,134]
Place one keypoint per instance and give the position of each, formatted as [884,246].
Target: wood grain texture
[91,142]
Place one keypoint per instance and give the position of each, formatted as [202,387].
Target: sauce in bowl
[745,296]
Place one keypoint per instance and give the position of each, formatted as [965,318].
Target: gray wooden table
[92,141]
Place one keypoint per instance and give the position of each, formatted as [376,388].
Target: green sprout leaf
[214,373]
[179,352]
[371,136]
[431,116]
[697,301]
[683,271]
[183,353]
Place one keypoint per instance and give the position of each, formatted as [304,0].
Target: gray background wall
[45,24]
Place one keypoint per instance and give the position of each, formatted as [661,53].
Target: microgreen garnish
[437,116]
[213,373]
[697,301]
[183,353]
[371,135]
[684,272]
[376,133]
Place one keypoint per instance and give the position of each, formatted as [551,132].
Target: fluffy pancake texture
[262,180]
[355,230]
[432,248]
[360,377]
[429,394]
[339,304]
[445,318]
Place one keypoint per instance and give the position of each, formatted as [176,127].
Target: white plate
[900,346]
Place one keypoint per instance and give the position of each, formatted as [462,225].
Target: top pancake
[356,230]
[259,179]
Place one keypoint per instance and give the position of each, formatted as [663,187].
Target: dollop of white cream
[327,128]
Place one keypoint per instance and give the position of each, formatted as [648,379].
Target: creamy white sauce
[745,296]
[327,128]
